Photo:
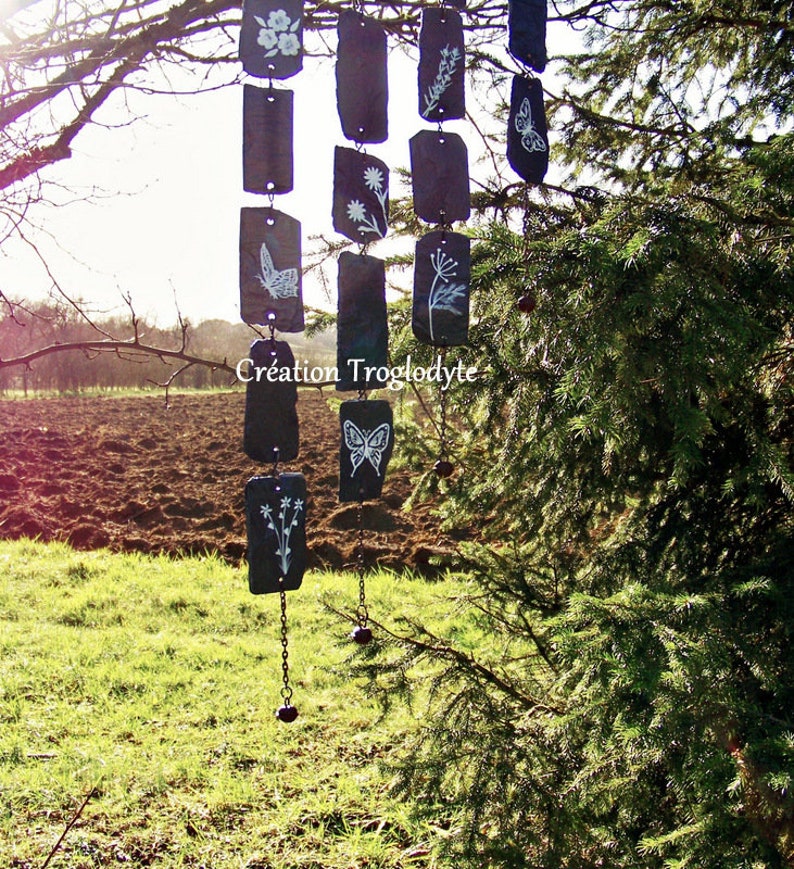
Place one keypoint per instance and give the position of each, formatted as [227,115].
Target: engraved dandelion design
[277,34]
[444,295]
[279,284]
[446,69]
[531,140]
[282,527]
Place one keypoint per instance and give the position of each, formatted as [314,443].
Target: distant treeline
[35,326]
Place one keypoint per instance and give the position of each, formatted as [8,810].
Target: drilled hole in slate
[270,221]
[271,98]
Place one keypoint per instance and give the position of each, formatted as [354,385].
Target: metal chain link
[286,690]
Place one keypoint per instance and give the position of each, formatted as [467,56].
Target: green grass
[155,681]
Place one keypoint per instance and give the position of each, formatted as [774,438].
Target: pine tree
[628,455]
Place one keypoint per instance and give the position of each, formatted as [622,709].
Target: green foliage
[627,457]
[155,682]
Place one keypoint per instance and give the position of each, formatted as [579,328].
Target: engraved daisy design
[373,178]
[356,211]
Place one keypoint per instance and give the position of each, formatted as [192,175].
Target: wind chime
[270,258]
[527,136]
[440,178]
[361,214]
[271,297]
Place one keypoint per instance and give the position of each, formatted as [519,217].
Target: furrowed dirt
[130,474]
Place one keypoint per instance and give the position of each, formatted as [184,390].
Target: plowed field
[130,474]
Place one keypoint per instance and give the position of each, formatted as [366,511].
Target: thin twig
[69,826]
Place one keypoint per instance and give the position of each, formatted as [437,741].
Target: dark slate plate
[442,65]
[270,430]
[527,138]
[275,513]
[367,443]
[362,89]
[271,38]
[440,175]
[270,269]
[267,140]
[526,27]
[361,195]
[362,335]
[442,268]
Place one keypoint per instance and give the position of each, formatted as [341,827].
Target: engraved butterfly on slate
[366,444]
[280,284]
[531,140]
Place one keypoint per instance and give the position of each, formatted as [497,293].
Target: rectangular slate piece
[275,514]
[361,195]
[526,26]
[442,65]
[267,140]
[270,430]
[271,38]
[362,89]
[440,176]
[367,443]
[362,333]
[270,269]
[527,138]
[442,267]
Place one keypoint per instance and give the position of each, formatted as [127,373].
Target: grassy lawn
[155,683]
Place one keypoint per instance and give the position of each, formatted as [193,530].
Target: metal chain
[362,614]
[286,690]
[443,408]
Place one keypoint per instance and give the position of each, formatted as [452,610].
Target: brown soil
[132,475]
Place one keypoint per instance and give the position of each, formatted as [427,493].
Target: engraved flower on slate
[373,178]
[267,38]
[278,20]
[277,35]
[288,44]
[356,211]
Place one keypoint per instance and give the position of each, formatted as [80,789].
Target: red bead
[526,304]
[443,468]
[287,713]
[362,635]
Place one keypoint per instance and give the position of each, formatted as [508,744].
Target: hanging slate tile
[267,140]
[442,73]
[270,268]
[440,173]
[362,334]
[367,443]
[526,27]
[271,38]
[362,90]
[442,270]
[527,138]
[275,513]
[270,431]
[361,195]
